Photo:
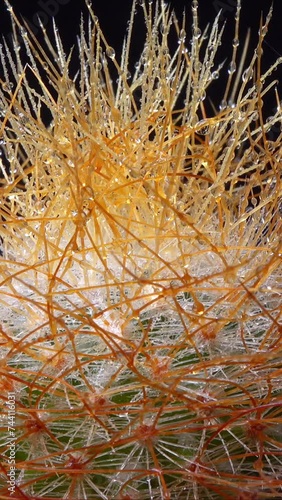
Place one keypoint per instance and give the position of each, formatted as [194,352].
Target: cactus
[141,269]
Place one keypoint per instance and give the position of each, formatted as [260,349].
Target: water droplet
[198,66]
[110,52]
[202,96]
[195,6]
[235,42]
[196,33]
[246,75]
[203,127]
[164,29]
[182,35]
[232,68]
[223,105]
[215,75]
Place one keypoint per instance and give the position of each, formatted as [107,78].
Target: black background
[113,18]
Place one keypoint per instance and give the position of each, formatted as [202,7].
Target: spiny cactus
[141,269]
